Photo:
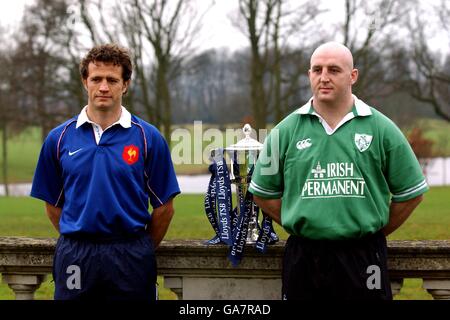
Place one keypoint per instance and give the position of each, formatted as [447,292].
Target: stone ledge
[419,258]
[17,244]
[190,265]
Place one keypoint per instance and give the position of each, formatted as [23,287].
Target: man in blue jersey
[97,173]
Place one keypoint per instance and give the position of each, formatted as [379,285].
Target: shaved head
[332,76]
[336,49]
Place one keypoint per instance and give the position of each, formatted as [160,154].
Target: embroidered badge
[363,141]
[130,154]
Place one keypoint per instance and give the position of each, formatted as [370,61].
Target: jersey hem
[43,197]
[165,200]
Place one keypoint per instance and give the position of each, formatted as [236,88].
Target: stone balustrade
[194,270]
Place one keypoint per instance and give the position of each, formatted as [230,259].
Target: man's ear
[126,85]
[84,81]
[354,76]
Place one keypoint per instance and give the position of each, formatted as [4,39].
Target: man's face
[105,85]
[331,76]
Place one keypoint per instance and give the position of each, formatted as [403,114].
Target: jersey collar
[360,109]
[124,120]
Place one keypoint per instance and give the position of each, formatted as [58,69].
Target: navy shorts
[87,268]
[343,270]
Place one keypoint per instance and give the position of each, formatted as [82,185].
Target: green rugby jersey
[337,184]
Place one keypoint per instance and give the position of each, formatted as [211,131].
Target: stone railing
[194,270]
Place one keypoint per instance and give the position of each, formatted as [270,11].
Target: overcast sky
[218,30]
[11,11]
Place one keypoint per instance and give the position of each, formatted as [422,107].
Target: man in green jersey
[339,177]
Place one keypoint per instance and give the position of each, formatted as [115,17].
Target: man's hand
[54,214]
[161,218]
[399,212]
[272,207]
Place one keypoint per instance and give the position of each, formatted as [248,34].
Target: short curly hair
[108,53]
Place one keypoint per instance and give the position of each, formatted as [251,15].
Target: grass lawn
[26,217]
[437,131]
[188,145]
[23,151]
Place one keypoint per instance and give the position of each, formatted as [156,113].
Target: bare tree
[429,73]
[167,28]
[11,119]
[38,61]
[258,17]
[368,31]
[289,63]
[5,117]
[268,25]
[213,87]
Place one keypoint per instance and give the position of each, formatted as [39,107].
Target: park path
[188,184]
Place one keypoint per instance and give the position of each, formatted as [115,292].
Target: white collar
[362,109]
[124,120]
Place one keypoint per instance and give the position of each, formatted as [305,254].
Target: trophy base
[252,236]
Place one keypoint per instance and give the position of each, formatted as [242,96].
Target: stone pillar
[438,288]
[174,284]
[23,285]
[396,286]
[231,288]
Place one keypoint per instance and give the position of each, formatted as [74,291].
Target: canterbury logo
[303,144]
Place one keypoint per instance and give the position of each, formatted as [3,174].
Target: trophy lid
[247,143]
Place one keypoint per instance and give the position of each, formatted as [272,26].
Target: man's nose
[104,86]
[324,76]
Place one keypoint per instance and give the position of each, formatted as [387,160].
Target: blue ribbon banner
[211,205]
[230,227]
[218,200]
[267,234]
[241,230]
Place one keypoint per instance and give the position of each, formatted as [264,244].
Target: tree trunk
[163,98]
[279,112]
[149,108]
[167,119]
[5,157]
[258,95]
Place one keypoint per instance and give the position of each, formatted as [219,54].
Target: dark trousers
[336,270]
[105,269]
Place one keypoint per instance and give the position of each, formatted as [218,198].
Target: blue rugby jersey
[105,188]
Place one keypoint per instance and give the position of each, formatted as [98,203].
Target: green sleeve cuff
[411,193]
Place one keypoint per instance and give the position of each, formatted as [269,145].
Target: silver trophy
[245,152]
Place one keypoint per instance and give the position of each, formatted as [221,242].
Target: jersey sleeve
[267,179]
[160,174]
[403,171]
[47,181]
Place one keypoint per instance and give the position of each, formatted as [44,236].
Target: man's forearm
[399,212]
[272,207]
[161,218]
[54,214]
